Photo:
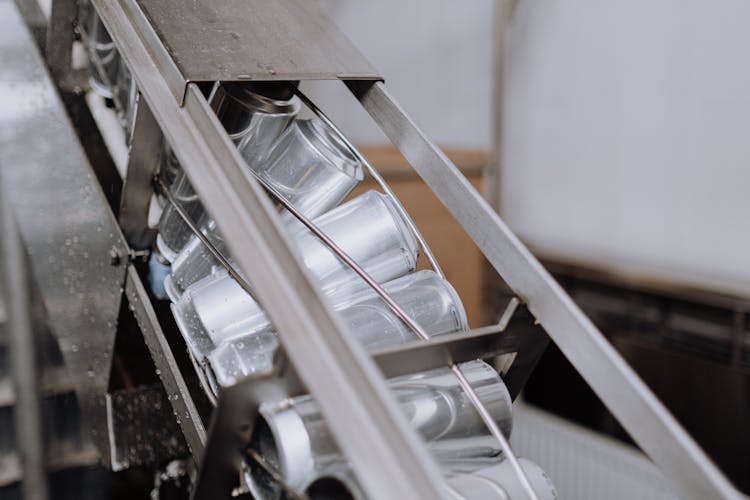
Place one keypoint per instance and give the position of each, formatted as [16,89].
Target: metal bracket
[386,454]
[142,431]
[143,162]
[246,39]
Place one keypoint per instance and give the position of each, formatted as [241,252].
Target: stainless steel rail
[619,387]
[166,365]
[387,456]
[378,179]
[352,264]
[406,319]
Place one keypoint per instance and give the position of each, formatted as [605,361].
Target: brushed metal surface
[65,223]
[385,453]
[179,396]
[237,40]
[143,431]
[137,190]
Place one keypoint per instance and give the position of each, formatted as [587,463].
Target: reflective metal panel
[253,40]
[143,430]
[182,402]
[65,223]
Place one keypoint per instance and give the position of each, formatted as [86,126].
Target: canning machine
[226,301]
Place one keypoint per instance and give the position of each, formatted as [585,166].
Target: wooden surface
[389,161]
[458,256]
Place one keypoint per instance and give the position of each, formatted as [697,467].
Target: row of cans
[229,335]
[109,76]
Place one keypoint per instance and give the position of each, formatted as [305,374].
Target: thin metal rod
[495,431]
[204,239]
[378,178]
[400,313]
[23,360]
[341,254]
[415,327]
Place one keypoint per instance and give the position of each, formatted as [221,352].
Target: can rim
[245,96]
[330,146]
[412,255]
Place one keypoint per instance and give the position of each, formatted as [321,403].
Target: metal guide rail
[163,99]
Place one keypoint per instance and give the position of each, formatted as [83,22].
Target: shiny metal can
[312,168]
[424,296]
[254,122]
[254,115]
[370,230]
[428,299]
[367,228]
[293,437]
[194,262]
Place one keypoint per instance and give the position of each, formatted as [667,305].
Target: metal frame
[230,422]
[143,162]
[169,373]
[290,40]
[77,254]
[386,455]
[616,384]
[409,322]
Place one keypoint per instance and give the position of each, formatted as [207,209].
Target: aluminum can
[293,437]
[367,228]
[425,297]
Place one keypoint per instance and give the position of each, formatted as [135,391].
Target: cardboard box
[456,253]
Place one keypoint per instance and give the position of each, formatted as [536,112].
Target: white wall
[628,136]
[627,128]
[436,57]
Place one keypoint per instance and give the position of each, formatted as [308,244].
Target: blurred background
[613,138]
